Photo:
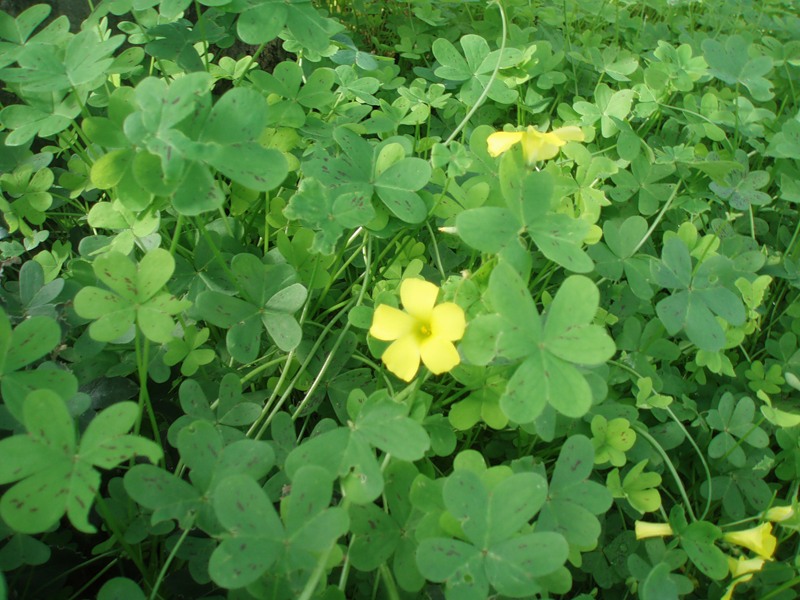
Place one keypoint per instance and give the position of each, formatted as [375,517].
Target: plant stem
[657,447]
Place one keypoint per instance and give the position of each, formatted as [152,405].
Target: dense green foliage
[204,202]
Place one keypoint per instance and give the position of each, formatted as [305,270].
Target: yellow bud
[779,513]
[647,530]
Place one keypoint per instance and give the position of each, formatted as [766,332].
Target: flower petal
[448,322]
[745,566]
[402,357]
[390,323]
[439,354]
[569,133]
[758,539]
[418,297]
[540,151]
[500,141]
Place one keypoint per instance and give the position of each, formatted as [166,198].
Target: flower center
[424,330]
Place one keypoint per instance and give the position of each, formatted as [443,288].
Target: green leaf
[659,585]
[134,297]
[330,216]
[698,541]
[312,525]
[638,487]
[509,296]
[19,30]
[345,456]
[573,500]
[250,164]
[261,22]
[730,62]
[457,563]
[514,565]
[120,588]
[385,425]
[238,116]
[255,533]
[546,374]
[608,106]
[29,341]
[786,143]
[271,297]
[108,170]
[376,535]
[54,478]
[568,332]
[197,192]
[560,238]
[611,439]
[488,229]
[696,299]
[397,186]
[513,503]
[168,496]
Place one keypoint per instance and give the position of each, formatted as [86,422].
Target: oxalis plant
[400,300]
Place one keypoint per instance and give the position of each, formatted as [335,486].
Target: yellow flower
[647,530]
[758,539]
[742,570]
[779,513]
[536,145]
[423,331]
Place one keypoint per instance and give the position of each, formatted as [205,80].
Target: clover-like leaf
[54,473]
[315,206]
[733,419]
[270,297]
[188,351]
[312,526]
[255,532]
[474,68]
[133,296]
[607,107]
[638,488]
[343,455]
[231,409]
[548,351]
[730,61]
[573,500]
[29,341]
[347,453]
[29,197]
[611,439]
[696,298]
[491,517]
[617,255]
[558,236]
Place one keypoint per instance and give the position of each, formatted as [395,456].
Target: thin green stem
[163,572]
[436,256]
[670,466]
[134,553]
[492,77]
[142,346]
[91,581]
[788,585]
[700,455]
[316,575]
[658,218]
[176,235]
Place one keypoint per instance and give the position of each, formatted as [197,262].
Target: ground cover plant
[403,299]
